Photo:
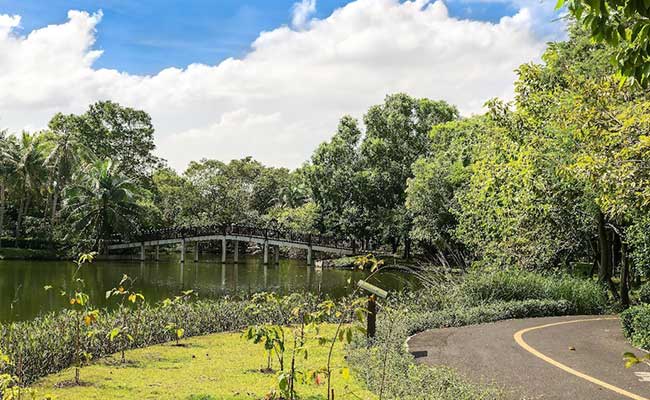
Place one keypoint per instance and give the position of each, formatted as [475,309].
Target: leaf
[180,332]
[345,373]
[113,334]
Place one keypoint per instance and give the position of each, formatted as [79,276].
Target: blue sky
[144,37]
[276,102]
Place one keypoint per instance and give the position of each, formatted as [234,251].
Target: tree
[336,183]
[222,193]
[120,133]
[437,179]
[66,154]
[25,159]
[397,134]
[7,154]
[624,25]
[103,202]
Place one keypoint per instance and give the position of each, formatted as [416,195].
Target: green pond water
[22,293]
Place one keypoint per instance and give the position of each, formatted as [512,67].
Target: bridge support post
[236,255]
[309,256]
[266,253]
[157,252]
[196,252]
[142,254]
[224,249]
[182,251]
[276,254]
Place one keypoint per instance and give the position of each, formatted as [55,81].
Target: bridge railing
[181,232]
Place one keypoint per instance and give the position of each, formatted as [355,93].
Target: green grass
[218,366]
[25,254]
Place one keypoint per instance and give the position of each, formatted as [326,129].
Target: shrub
[586,296]
[644,293]
[636,325]
[45,344]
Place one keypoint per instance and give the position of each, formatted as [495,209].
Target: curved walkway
[576,357]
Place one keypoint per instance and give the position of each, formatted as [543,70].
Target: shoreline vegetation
[476,298]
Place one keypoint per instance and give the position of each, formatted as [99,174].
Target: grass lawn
[219,366]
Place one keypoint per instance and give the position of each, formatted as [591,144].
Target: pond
[22,293]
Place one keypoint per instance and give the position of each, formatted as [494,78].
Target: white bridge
[235,233]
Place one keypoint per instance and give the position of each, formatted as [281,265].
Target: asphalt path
[576,357]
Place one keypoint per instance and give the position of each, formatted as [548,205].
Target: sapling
[124,333]
[176,327]
[83,315]
[356,308]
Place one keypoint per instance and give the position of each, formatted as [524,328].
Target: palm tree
[66,153]
[7,153]
[25,159]
[102,202]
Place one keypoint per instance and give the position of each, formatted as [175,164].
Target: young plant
[357,309]
[83,316]
[271,335]
[174,305]
[305,322]
[272,338]
[124,333]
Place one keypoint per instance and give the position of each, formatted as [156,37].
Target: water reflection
[22,295]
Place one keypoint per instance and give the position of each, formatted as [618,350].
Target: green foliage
[644,293]
[127,328]
[636,325]
[584,295]
[624,26]
[102,203]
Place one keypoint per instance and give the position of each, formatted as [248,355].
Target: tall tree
[336,182]
[66,154]
[123,134]
[26,159]
[397,134]
[8,151]
[102,202]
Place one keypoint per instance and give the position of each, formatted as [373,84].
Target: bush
[45,345]
[636,325]
[462,316]
[644,293]
[586,296]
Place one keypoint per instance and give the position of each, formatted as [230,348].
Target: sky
[227,79]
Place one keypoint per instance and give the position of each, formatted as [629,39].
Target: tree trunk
[625,277]
[19,219]
[605,267]
[407,248]
[55,201]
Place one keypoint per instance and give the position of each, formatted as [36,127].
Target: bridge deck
[263,236]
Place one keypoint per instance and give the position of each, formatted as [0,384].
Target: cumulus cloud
[286,95]
[302,11]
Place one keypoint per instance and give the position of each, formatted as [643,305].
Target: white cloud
[302,11]
[287,94]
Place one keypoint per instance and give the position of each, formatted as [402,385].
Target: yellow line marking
[520,341]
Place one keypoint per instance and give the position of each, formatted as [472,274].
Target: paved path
[541,358]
